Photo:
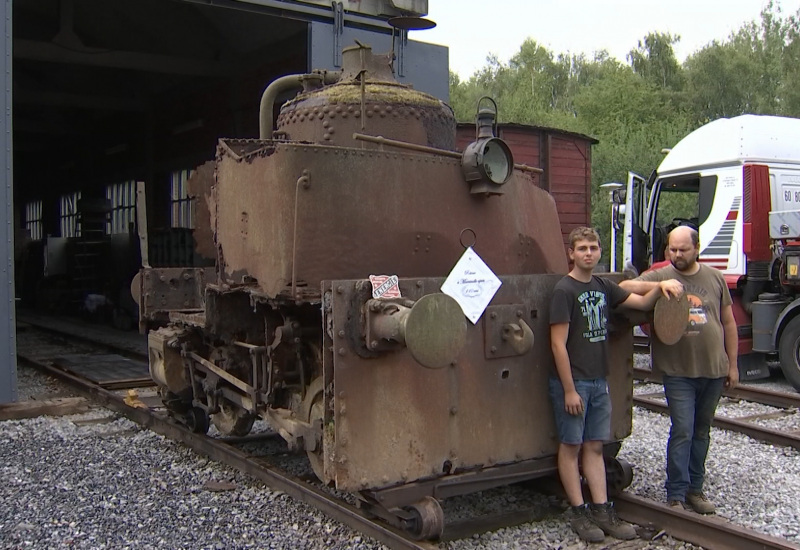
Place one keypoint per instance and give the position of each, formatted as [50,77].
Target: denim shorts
[594,424]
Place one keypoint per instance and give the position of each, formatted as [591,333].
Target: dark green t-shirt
[700,353]
[585,307]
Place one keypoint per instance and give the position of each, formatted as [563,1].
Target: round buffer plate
[671,317]
[436,330]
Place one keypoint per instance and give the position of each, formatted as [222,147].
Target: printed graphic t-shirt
[585,307]
[700,353]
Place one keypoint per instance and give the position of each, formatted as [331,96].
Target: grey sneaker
[583,526]
[605,517]
[700,503]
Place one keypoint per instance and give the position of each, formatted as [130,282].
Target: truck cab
[729,179]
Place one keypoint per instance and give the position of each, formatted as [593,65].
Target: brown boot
[583,526]
[700,503]
[605,517]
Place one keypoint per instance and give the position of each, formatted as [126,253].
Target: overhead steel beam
[79,101]
[149,63]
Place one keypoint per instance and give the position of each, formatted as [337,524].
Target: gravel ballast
[115,485]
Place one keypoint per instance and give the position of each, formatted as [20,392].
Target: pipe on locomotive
[284,84]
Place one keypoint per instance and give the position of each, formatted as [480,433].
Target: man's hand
[573,403]
[671,288]
[732,380]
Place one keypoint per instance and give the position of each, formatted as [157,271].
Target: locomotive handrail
[380,140]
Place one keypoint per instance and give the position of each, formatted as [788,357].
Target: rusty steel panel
[199,187]
[165,289]
[396,421]
[324,223]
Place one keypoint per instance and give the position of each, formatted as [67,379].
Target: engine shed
[102,94]
[107,96]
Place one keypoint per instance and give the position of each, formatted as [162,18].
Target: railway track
[788,405]
[656,518]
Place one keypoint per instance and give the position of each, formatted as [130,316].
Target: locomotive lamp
[487,162]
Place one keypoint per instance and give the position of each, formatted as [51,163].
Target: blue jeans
[692,403]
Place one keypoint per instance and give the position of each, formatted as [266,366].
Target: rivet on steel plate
[453,410]
[343,410]
[340,334]
[373,344]
[342,351]
[339,289]
[493,315]
[419,284]
[493,349]
[342,394]
[453,364]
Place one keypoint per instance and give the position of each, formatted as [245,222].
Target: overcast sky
[473,29]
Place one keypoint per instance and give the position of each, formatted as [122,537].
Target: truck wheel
[789,352]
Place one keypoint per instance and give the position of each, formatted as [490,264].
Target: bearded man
[696,369]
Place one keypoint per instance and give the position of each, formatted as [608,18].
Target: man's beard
[683,264]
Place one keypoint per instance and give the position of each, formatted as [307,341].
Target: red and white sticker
[385,286]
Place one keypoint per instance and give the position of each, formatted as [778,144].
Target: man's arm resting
[558,344]
[731,334]
[643,303]
[638,287]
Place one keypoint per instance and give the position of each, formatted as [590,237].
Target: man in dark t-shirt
[581,404]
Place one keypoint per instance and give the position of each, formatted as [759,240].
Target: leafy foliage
[638,108]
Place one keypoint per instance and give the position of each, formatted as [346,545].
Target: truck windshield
[684,200]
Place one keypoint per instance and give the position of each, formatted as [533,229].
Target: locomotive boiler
[403,400]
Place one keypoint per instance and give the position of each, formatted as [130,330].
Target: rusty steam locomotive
[401,400]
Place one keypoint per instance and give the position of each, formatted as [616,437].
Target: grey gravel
[115,485]
[753,484]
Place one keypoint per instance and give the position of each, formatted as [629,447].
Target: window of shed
[182,204]
[123,206]
[68,214]
[33,220]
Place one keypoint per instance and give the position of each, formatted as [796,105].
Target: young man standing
[696,369]
[582,406]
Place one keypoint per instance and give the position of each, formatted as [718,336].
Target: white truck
[737,181]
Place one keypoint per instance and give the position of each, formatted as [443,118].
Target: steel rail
[227,454]
[754,431]
[710,532]
[772,398]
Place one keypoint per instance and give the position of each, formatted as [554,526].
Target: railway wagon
[398,397]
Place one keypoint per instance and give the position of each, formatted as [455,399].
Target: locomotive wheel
[197,420]
[619,474]
[313,409]
[789,352]
[428,522]
[232,420]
